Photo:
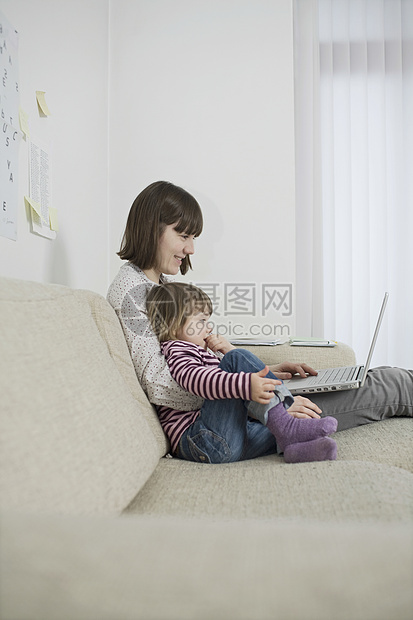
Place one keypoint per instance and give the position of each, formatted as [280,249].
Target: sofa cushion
[73,438]
[267,488]
[389,442]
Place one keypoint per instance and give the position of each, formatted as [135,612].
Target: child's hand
[218,343]
[262,389]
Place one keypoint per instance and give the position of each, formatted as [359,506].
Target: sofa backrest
[74,438]
[111,332]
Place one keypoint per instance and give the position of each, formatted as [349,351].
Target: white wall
[63,50]
[202,95]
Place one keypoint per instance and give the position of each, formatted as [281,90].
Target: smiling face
[195,329]
[172,249]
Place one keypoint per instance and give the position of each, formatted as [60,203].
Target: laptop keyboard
[332,375]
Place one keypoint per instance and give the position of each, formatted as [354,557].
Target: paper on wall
[24,122]
[41,102]
[10,135]
[9,158]
[40,190]
[54,223]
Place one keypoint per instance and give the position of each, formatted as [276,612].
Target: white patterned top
[127,295]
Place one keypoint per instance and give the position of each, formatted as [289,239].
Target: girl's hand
[304,408]
[262,389]
[218,343]
[287,369]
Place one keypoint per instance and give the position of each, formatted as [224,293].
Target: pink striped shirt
[196,370]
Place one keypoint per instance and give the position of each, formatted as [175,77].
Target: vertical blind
[358,166]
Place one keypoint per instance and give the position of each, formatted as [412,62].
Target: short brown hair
[169,305]
[157,206]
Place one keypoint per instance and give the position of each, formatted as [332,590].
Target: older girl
[162,225]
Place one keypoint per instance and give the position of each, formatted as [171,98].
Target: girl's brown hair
[157,206]
[169,305]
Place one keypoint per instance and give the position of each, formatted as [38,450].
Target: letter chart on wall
[10,132]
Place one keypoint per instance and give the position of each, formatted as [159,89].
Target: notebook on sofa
[342,378]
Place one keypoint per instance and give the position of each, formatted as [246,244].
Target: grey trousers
[387,393]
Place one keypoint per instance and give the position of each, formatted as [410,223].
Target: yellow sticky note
[24,122]
[54,224]
[35,206]
[40,96]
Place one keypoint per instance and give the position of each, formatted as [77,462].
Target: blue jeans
[224,432]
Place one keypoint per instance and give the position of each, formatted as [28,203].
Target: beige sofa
[98,524]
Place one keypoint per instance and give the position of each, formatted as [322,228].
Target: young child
[244,414]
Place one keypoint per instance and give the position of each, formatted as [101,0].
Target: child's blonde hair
[169,305]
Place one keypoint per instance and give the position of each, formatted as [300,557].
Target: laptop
[334,379]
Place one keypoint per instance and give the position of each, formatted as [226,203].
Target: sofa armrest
[317,357]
